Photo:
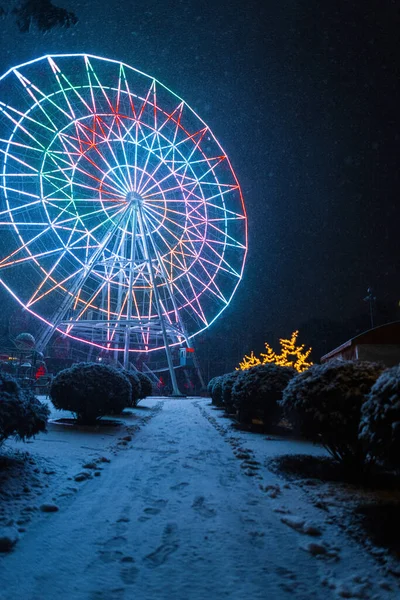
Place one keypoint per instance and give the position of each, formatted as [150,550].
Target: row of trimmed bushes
[352,408]
[89,390]
[92,390]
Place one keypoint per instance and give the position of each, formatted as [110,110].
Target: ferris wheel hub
[134,198]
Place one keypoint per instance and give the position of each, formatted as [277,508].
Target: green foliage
[255,394]
[324,405]
[22,415]
[90,391]
[380,418]
[146,388]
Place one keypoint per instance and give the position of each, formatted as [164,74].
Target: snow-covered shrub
[22,415]
[227,385]
[136,387]
[90,391]
[146,388]
[210,385]
[324,405]
[216,394]
[380,418]
[256,392]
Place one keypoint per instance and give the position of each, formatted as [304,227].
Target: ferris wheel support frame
[69,299]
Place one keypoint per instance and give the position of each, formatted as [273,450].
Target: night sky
[303,96]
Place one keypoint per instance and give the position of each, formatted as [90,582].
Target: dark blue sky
[304,97]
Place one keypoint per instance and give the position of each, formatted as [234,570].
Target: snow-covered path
[174,516]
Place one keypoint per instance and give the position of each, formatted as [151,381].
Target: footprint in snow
[129,574]
[179,486]
[203,510]
[170,544]
[109,556]
[115,594]
[115,542]
[152,511]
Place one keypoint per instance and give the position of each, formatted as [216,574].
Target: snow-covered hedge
[146,388]
[90,391]
[22,415]
[216,393]
[136,387]
[210,385]
[256,392]
[227,384]
[380,418]
[324,404]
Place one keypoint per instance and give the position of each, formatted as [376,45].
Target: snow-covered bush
[90,391]
[380,418]
[136,387]
[210,385]
[22,415]
[227,385]
[216,394]
[256,392]
[146,388]
[324,405]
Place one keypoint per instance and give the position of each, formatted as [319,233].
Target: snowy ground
[185,509]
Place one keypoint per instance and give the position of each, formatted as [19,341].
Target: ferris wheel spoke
[223,261]
[38,97]
[207,286]
[58,285]
[98,226]
[17,261]
[217,266]
[192,303]
[91,135]
[25,245]
[74,152]
[111,184]
[70,87]
[32,170]
[7,110]
[23,207]
[7,188]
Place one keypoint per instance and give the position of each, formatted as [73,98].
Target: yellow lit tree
[291,355]
[269,356]
[248,362]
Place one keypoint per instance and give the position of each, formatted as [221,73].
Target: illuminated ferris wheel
[122,223]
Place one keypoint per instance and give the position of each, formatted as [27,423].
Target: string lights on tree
[291,355]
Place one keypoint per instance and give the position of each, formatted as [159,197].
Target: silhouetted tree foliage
[43,14]
[22,415]
[324,404]
[380,418]
[90,391]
